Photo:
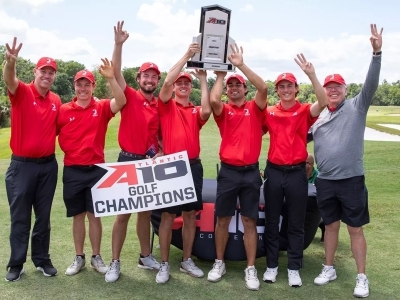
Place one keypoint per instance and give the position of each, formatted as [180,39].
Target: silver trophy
[214,40]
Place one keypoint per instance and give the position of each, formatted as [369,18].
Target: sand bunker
[393,126]
[376,135]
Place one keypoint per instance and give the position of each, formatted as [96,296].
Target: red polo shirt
[82,131]
[241,133]
[180,127]
[288,133]
[138,129]
[33,121]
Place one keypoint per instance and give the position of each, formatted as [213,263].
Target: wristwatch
[377,53]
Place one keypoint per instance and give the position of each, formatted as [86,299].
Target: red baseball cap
[85,74]
[46,62]
[149,65]
[184,75]
[286,76]
[334,78]
[238,77]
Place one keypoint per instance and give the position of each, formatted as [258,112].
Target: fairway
[382,165]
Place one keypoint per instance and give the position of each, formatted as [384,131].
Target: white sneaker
[270,275]
[77,265]
[163,273]
[217,271]
[113,271]
[327,274]
[190,268]
[294,278]
[362,289]
[251,278]
[98,264]
[148,263]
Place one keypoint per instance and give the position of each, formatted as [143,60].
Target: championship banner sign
[143,185]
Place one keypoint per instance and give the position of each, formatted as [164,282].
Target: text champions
[143,185]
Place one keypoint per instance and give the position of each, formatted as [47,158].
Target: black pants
[28,185]
[290,186]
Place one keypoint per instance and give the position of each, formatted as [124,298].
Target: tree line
[387,93]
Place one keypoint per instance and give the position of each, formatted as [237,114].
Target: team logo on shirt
[53,107]
[271,113]
[230,113]
[71,119]
[145,103]
[194,111]
[95,113]
[295,113]
[246,112]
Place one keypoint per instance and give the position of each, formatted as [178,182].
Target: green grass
[382,166]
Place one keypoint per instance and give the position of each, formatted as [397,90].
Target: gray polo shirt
[339,135]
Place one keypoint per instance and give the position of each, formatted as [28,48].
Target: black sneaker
[47,268]
[14,273]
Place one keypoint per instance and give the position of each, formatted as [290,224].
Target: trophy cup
[214,40]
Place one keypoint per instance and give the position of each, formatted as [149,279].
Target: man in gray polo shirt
[339,146]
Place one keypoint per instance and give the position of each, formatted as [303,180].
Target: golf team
[152,126]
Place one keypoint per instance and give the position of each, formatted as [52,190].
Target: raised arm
[120,36]
[216,93]
[322,99]
[9,70]
[364,99]
[205,110]
[119,100]
[168,86]
[236,58]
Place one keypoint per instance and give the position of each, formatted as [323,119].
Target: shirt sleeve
[20,92]
[165,107]
[219,119]
[200,121]
[260,114]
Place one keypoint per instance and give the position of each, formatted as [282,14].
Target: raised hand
[236,57]
[12,52]
[199,74]
[220,73]
[120,35]
[193,49]
[106,69]
[376,38]
[305,65]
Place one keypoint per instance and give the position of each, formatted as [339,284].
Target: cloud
[33,3]
[38,43]
[247,7]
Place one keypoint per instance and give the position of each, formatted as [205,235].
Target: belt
[83,168]
[240,168]
[133,155]
[194,161]
[286,168]
[40,160]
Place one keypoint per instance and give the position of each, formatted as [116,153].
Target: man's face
[336,93]
[44,77]
[286,90]
[148,81]
[235,90]
[183,87]
[84,89]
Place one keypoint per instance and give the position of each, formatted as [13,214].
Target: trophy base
[209,66]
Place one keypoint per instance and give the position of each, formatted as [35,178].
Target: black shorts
[345,199]
[234,182]
[197,174]
[78,182]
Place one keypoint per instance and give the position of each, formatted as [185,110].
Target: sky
[333,35]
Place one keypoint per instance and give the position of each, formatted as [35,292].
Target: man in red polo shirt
[288,123]
[240,125]
[31,178]
[181,123]
[82,125]
[137,137]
